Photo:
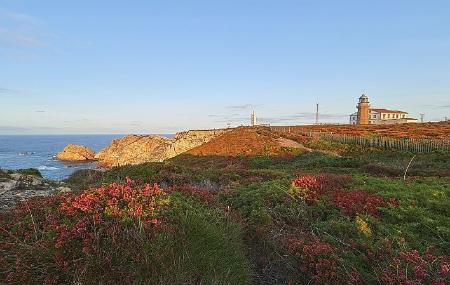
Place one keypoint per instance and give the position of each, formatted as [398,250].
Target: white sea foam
[43,167]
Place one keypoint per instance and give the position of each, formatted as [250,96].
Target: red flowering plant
[411,267]
[62,233]
[307,188]
[319,262]
[310,188]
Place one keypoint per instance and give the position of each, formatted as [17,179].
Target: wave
[26,153]
[43,167]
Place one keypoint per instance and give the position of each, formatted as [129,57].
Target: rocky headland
[135,149]
[74,152]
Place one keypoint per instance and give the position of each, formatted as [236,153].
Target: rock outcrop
[16,187]
[76,153]
[135,149]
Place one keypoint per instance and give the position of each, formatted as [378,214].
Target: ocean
[37,151]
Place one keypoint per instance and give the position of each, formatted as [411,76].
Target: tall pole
[317,113]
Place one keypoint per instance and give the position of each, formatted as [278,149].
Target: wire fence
[406,144]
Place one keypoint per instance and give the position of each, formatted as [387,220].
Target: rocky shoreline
[136,149]
[21,185]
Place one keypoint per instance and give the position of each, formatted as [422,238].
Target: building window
[384,116]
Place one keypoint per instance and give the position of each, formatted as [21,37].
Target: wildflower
[363,226]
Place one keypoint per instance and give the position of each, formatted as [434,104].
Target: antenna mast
[317,113]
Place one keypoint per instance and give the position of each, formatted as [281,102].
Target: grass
[195,243]
[240,220]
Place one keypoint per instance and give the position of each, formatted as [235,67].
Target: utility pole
[317,113]
[421,117]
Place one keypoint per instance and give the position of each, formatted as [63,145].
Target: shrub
[319,262]
[410,267]
[382,170]
[310,187]
[27,171]
[119,234]
[358,202]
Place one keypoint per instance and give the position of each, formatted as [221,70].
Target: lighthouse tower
[253,119]
[363,110]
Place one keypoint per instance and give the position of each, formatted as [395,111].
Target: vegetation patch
[124,234]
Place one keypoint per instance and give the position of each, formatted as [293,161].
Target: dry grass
[244,141]
[413,130]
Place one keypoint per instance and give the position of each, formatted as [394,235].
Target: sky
[163,66]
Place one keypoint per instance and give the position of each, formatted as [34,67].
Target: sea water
[38,151]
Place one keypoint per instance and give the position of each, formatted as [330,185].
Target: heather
[322,217]
[121,234]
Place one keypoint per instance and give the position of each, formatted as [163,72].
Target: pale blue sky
[164,66]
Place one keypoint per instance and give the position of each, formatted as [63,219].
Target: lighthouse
[363,110]
[253,118]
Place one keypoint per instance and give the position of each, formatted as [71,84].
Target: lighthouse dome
[364,98]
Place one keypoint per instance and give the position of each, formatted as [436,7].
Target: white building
[384,116]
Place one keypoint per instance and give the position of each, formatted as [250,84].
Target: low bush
[120,234]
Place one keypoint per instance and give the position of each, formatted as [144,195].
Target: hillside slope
[247,141]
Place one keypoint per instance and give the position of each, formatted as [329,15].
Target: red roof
[387,111]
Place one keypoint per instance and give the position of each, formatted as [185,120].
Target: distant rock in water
[135,149]
[76,153]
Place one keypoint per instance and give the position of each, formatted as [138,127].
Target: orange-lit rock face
[75,153]
[134,149]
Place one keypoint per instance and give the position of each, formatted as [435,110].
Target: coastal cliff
[135,149]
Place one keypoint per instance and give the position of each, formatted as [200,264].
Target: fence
[406,144]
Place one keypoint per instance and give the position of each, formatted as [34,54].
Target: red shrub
[410,267]
[307,187]
[358,202]
[60,233]
[307,181]
[332,182]
[311,187]
[319,262]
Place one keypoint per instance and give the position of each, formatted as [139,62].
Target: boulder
[76,153]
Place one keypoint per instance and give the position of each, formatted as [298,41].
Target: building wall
[392,116]
[383,118]
[353,119]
